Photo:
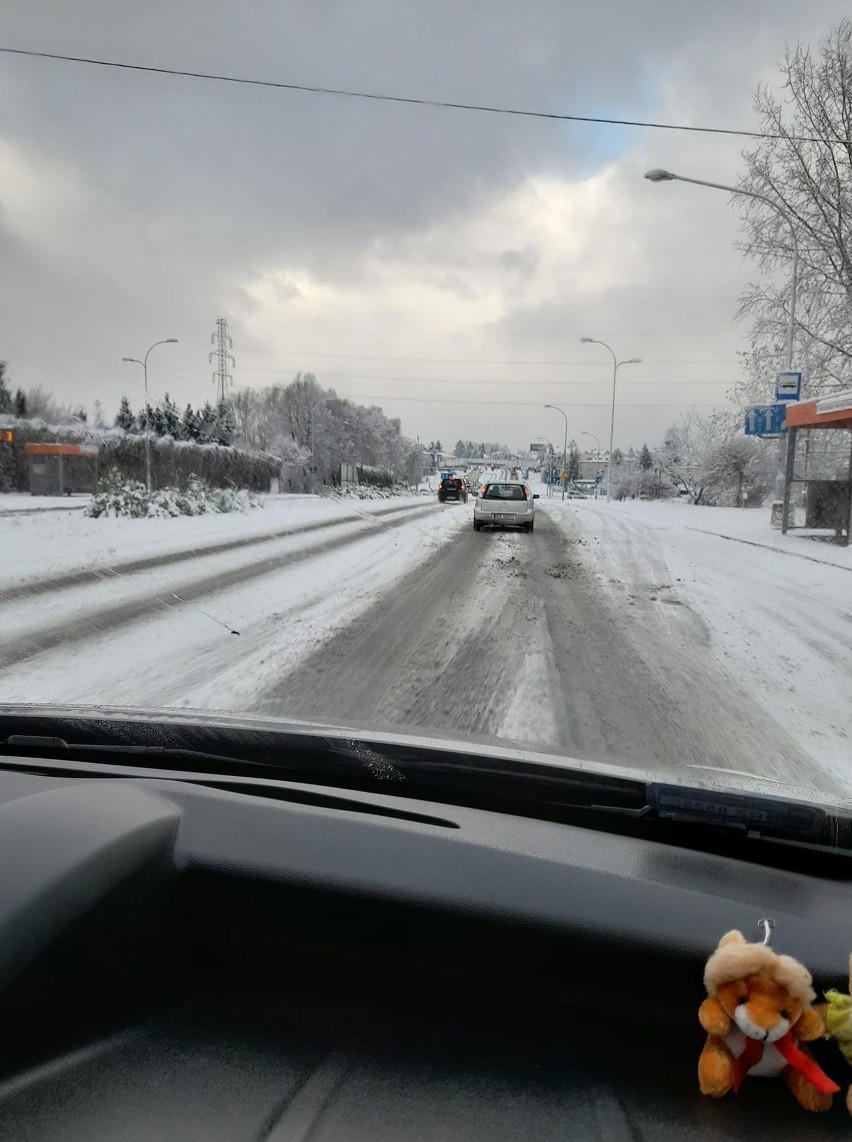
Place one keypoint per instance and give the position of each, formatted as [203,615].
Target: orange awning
[803,414]
[61,449]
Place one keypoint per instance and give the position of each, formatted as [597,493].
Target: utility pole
[222,378]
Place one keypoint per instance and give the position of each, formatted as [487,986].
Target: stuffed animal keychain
[838,1024]
[759,1008]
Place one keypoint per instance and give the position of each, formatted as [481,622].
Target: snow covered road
[607,634]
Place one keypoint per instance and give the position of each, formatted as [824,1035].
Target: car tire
[477,526]
[530,526]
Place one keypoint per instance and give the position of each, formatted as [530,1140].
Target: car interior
[224,931]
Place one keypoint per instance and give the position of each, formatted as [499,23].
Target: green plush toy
[838,1024]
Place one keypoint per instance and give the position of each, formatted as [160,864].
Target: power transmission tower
[224,344]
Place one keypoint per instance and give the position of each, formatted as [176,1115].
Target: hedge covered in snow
[120,497]
[173,462]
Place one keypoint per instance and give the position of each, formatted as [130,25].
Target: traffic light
[7,436]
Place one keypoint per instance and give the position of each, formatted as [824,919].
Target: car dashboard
[192,955]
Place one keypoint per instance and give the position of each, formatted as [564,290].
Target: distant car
[452,488]
[504,504]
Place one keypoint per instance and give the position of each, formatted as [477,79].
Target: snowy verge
[748,525]
[44,544]
[183,654]
[15,503]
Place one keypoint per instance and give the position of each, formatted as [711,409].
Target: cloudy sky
[441,263]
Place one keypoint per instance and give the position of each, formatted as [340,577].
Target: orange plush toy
[757,1013]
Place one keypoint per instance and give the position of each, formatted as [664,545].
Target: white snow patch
[47,544]
[182,654]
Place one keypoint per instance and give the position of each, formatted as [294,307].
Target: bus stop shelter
[47,470]
[818,475]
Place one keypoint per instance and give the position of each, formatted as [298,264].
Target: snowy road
[606,634]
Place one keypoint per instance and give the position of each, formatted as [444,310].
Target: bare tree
[312,427]
[805,165]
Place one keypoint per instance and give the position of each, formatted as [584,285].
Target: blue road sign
[765,420]
[788,386]
[599,478]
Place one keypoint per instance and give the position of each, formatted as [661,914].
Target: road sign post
[765,420]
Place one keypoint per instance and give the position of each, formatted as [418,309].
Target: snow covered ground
[209,631]
[39,548]
[776,610]
[747,525]
[15,503]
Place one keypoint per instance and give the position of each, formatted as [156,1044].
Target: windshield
[504,492]
[353,375]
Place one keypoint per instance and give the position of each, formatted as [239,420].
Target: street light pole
[658,175]
[616,365]
[144,364]
[598,446]
[549,460]
[564,447]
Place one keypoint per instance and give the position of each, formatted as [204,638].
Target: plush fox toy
[757,1013]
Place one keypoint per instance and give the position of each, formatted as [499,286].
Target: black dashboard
[189,955]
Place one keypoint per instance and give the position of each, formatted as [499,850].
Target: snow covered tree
[170,419]
[740,469]
[573,461]
[224,423]
[646,461]
[5,395]
[20,403]
[689,451]
[189,423]
[151,420]
[125,418]
[804,163]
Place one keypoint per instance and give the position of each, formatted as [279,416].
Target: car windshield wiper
[38,743]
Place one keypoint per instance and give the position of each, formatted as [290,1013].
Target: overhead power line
[532,404]
[585,362]
[460,382]
[409,100]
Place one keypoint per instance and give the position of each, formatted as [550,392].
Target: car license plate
[502,515]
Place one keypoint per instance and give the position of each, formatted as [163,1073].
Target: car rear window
[505,492]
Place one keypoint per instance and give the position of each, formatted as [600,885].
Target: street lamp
[549,462]
[658,175]
[564,447]
[144,364]
[616,365]
[583,432]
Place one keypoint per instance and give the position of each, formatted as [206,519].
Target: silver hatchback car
[504,504]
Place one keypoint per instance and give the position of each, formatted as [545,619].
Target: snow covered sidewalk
[746,525]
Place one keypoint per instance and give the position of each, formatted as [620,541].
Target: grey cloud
[192,188]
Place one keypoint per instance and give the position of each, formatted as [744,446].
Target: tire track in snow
[151,562]
[98,621]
